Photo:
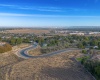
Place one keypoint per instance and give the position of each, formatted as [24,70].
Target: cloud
[5,5]
[12,14]
[44,9]
[41,15]
[49,9]
[27,15]
[40,9]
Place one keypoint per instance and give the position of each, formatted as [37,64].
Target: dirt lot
[58,67]
[35,31]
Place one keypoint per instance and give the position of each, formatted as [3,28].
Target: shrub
[5,48]
[84,51]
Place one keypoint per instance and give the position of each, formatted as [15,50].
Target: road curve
[24,53]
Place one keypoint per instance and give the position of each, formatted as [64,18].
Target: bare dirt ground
[58,67]
[35,31]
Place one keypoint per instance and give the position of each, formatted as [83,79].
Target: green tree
[5,48]
[94,43]
[18,41]
[26,40]
[84,51]
[13,41]
[97,71]
[84,43]
[80,45]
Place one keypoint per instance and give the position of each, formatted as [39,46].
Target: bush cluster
[92,66]
[6,47]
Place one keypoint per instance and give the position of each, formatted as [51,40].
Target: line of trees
[72,40]
[16,41]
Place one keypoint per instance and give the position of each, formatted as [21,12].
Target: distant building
[62,31]
[31,41]
[90,33]
[95,47]
[44,45]
[77,33]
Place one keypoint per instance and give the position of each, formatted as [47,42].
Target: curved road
[24,53]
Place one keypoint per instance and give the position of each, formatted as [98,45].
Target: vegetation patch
[92,66]
[6,47]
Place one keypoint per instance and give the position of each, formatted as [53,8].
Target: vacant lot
[58,67]
[35,31]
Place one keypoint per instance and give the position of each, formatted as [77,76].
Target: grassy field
[35,31]
[35,52]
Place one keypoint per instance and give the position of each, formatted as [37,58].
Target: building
[90,33]
[77,33]
[61,31]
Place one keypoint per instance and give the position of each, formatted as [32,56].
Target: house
[77,33]
[95,47]
[44,45]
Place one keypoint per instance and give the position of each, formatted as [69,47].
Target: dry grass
[23,45]
[9,57]
[58,67]
[35,52]
[35,31]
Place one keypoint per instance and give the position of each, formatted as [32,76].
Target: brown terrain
[35,31]
[35,52]
[57,67]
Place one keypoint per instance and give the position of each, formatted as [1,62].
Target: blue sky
[28,13]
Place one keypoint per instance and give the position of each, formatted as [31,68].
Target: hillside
[58,67]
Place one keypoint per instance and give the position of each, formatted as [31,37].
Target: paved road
[24,53]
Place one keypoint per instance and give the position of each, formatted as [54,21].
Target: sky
[49,13]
